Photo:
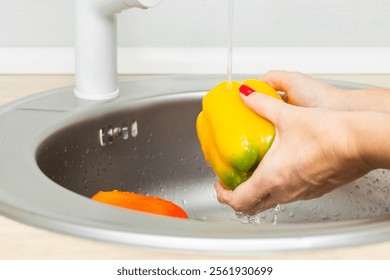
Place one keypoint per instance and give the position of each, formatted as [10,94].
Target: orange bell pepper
[139,202]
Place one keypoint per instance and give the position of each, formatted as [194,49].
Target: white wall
[203,23]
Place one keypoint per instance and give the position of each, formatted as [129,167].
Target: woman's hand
[305,91]
[312,154]
[302,90]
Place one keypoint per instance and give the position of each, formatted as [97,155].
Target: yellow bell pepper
[233,138]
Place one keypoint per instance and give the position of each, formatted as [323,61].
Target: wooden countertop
[20,241]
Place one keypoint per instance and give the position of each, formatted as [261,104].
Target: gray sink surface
[57,151]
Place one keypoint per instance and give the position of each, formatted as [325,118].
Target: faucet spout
[96,46]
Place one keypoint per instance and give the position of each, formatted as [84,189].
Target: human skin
[305,91]
[325,138]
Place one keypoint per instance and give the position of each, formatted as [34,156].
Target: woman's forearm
[370,131]
[375,99]
[304,91]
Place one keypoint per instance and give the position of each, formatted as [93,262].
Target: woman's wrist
[369,133]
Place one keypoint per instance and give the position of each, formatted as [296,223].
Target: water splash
[276,212]
[257,219]
[248,219]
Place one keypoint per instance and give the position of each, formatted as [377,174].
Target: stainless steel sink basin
[57,151]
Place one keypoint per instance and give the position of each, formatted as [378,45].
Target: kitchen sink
[57,151]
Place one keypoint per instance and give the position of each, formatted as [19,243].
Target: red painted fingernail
[245,90]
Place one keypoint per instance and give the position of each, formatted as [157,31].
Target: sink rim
[205,237]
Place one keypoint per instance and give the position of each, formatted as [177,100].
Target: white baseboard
[205,60]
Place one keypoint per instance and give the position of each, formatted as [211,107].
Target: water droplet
[184,202]
[291,214]
[323,216]
[276,212]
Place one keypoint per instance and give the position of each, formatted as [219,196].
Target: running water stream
[249,219]
[230,44]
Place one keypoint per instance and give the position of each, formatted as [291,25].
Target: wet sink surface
[145,142]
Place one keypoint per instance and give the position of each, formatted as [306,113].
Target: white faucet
[96,46]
